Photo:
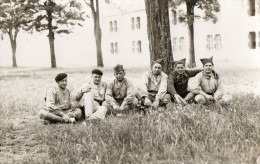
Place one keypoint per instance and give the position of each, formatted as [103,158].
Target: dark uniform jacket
[178,83]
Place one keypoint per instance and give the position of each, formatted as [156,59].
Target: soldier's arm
[109,95]
[170,85]
[194,72]
[162,89]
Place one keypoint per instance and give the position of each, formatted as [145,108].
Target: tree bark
[13,45]
[98,35]
[51,37]
[190,14]
[158,29]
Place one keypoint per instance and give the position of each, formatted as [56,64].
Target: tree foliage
[16,15]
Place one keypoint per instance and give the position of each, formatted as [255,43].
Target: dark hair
[97,72]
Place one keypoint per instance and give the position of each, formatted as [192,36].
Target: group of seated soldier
[96,99]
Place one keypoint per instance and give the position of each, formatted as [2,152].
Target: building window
[259,39]
[139,46]
[181,41]
[252,42]
[112,48]
[209,42]
[174,44]
[111,26]
[251,7]
[133,46]
[133,23]
[138,25]
[115,26]
[116,48]
[217,40]
[174,17]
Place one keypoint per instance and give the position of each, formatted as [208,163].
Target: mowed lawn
[191,134]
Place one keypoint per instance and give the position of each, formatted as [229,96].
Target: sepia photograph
[130,81]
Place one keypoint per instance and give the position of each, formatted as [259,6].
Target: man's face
[179,68]
[63,83]
[156,69]
[96,78]
[208,67]
[120,75]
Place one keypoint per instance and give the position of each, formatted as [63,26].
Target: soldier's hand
[65,117]
[209,97]
[147,102]
[116,107]
[176,96]
[155,104]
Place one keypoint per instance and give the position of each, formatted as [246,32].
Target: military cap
[60,77]
[159,61]
[97,72]
[207,60]
[181,61]
[118,68]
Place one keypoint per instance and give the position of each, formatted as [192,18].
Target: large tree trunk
[51,36]
[98,35]
[158,29]
[13,45]
[190,14]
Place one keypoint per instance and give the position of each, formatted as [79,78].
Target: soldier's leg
[99,114]
[46,115]
[166,99]
[225,99]
[200,99]
[189,96]
[108,106]
[88,100]
[76,113]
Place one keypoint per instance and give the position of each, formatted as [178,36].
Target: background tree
[210,7]
[15,15]
[158,29]
[57,17]
[97,29]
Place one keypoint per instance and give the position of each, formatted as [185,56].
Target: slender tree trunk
[98,35]
[158,29]
[190,14]
[13,45]
[51,37]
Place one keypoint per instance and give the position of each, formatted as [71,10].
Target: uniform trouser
[187,96]
[92,108]
[165,100]
[131,103]
[202,99]
[57,117]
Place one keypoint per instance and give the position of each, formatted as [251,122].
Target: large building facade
[234,40]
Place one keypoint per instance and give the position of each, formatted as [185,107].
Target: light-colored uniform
[120,93]
[154,87]
[210,84]
[57,103]
[92,100]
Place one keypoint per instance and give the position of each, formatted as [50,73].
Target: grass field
[193,134]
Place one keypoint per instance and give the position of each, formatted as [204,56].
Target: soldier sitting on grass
[178,83]
[207,85]
[58,104]
[92,95]
[154,87]
[120,94]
